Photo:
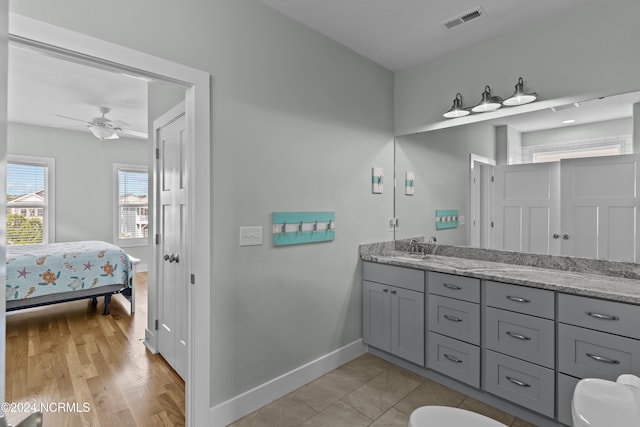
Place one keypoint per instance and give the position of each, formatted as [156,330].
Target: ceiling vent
[470,15]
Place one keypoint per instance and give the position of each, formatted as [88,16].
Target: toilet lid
[441,416]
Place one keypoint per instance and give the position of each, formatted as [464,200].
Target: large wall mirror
[583,205]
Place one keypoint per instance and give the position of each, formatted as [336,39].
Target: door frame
[483,210]
[197,105]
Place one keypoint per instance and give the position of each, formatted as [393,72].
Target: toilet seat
[445,416]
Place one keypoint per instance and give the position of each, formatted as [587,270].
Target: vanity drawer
[449,285]
[566,385]
[608,316]
[522,299]
[454,318]
[526,337]
[521,382]
[401,277]
[584,353]
[454,358]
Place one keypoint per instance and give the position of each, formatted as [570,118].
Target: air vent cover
[470,15]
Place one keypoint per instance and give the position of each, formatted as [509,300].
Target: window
[30,202]
[131,225]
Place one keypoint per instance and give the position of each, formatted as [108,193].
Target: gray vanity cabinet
[519,332]
[596,339]
[393,310]
[454,326]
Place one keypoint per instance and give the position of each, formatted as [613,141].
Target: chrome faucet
[413,246]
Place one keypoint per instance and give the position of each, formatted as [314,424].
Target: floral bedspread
[36,270]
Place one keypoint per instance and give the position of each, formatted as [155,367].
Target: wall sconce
[488,103]
[519,97]
[456,110]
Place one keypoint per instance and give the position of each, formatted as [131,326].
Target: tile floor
[367,391]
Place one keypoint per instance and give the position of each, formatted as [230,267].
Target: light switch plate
[251,235]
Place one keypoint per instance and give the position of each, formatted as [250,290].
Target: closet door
[527,208]
[600,207]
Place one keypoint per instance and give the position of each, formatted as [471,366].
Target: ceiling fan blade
[133,133]
[73,118]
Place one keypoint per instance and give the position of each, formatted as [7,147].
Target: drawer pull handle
[602,316]
[385,290]
[452,358]
[394,292]
[452,318]
[450,286]
[517,381]
[518,336]
[518,299]
[603,359]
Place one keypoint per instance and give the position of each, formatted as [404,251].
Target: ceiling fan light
[519,97]
[456,110]
[488,103]
[103,132]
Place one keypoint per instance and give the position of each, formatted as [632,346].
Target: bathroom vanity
[501,327]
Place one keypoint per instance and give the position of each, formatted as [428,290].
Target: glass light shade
[488,103]
[519,97]
[103,132]
[456,110]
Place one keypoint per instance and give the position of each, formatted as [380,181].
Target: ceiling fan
[103,127]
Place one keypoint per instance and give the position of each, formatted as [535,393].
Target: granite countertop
[622,289]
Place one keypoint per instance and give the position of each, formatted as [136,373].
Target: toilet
[445,416]
[602,403]
[596,403]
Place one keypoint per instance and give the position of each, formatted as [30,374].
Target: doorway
[78,47]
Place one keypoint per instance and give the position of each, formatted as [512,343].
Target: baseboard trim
[247,402]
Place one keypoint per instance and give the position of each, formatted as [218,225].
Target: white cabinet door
[527,208]
[600,207]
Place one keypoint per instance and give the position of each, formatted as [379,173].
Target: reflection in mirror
[444,179]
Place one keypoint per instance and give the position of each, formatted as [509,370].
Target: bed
[59,272]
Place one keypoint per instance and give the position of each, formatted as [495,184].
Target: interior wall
[297,123]
[441,163]
[586,50]
[573,133]
[83,180]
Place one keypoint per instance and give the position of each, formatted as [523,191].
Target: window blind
[133,204]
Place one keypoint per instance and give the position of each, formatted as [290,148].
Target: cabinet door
[377,315]
[407,325]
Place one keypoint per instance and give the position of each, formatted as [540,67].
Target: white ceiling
[41,87]
[401,33]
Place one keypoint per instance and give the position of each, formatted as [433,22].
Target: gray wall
[83,180]
[297,123]
[588,50]
[571,133]
[440,161]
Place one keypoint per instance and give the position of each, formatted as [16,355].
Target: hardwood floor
[96,366]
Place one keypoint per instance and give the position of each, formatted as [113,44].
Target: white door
[600,207]
[171,184]
[527,208]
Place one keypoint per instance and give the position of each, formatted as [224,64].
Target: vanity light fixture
[519,97]
[456,110]
[488,103]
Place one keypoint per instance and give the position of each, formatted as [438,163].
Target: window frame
[49,163]
[117,240]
